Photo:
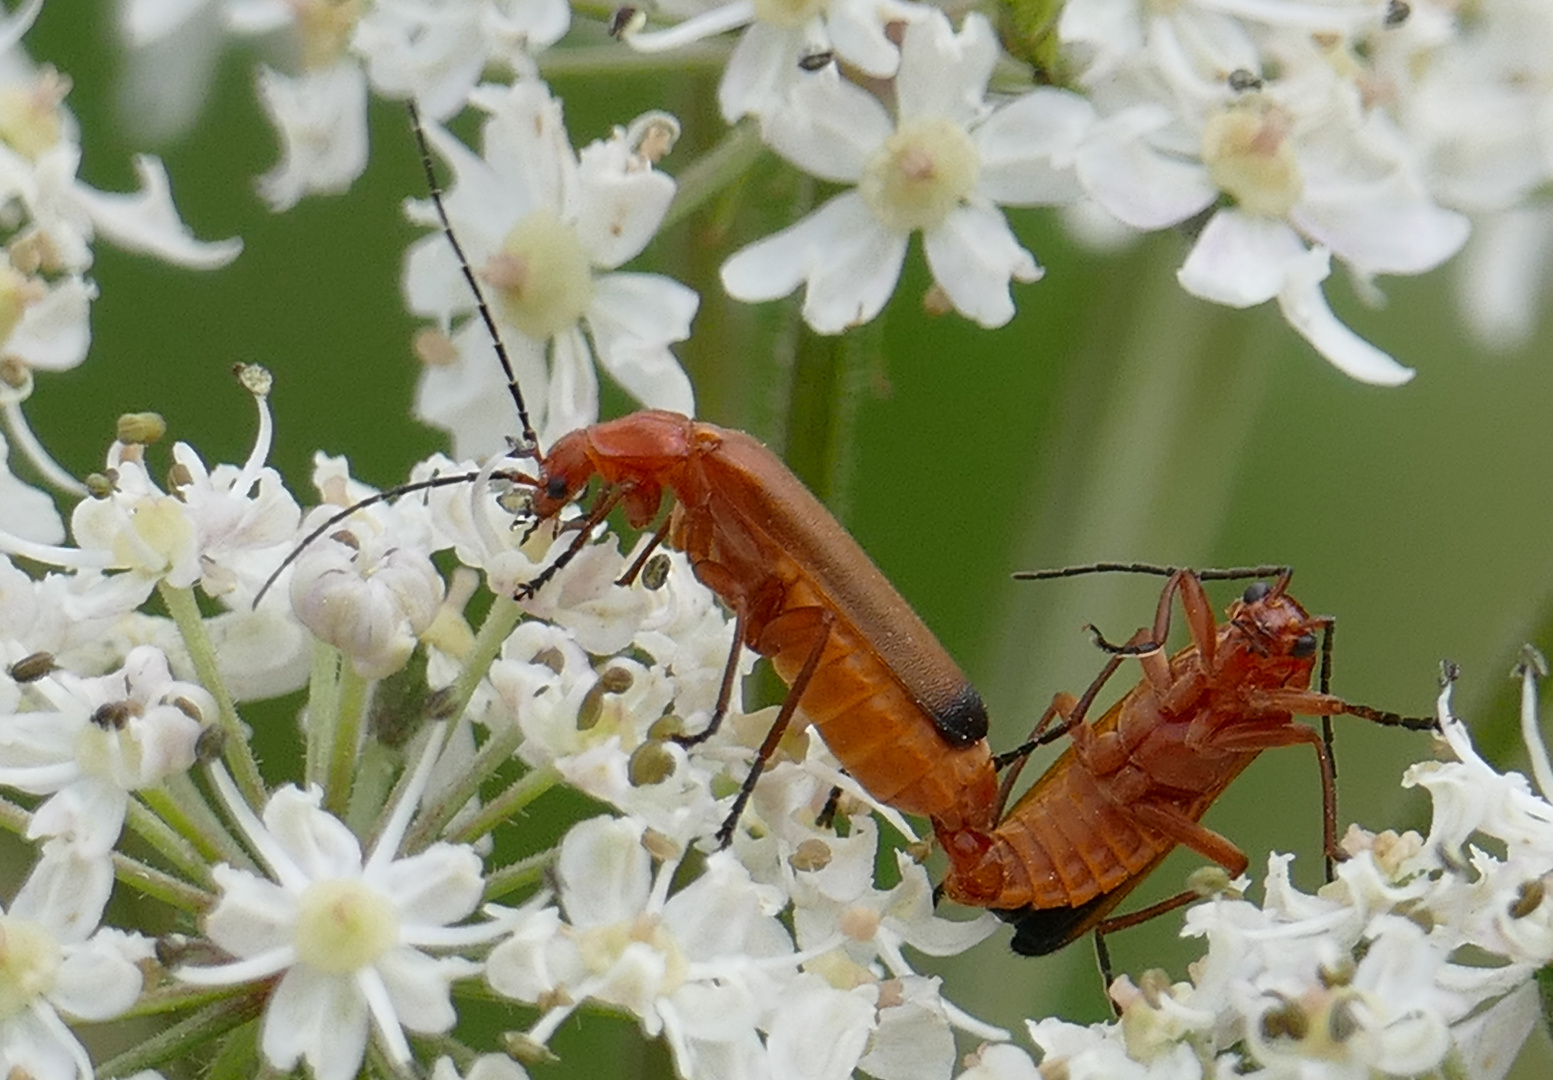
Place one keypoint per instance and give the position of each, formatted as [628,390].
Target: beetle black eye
[1304,645]
[555,488]
[1256,591]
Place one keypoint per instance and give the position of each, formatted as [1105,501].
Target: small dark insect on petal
[1240,80]
[816,61]
[620,23]
[32,668]
[1397,12]
[209,744]
[112,715]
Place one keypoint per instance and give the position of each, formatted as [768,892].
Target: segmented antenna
[450,480]
[1229,573]
[530,440]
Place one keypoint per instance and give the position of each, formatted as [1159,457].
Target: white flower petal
[973,254]
[24,510]
[860,32]
[1028,148]
[254,915]
[1306,309]
[633,318]
[573,401]
[322,120]
[849,260]
[318,843]
[317,1016]
[469,398]
[761,70]
[1144,187]
[944,74]
[88,814]
[818,1033]
[1502,276]
[1241,259]
[620,202]
[418,985]
[525,143]
[435,887]
[66,892]
[605,872]
[55,333]
[33,1043]
[912,1041]
[1389,227]
[829,127]
[101,978]
[147,221]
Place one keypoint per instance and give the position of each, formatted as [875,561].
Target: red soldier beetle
[1134,784]
[889,702]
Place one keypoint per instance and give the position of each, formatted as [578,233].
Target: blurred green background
[1114,418]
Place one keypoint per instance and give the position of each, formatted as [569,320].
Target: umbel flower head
[344,932]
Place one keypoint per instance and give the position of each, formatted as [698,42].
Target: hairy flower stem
[149,881]
[169,842]
[523,791]
[519,875]
[178,1040]
[185,612]
[594,60]
[714,171]
[323,702]
[343,755]
[205,827]
[499,623]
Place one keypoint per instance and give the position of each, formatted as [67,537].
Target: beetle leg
[601,508]
[1124,922]
[1072,712]
[724,691]
[823,619]
[1176,826]
[640,561]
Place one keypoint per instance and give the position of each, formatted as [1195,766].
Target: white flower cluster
[341,908]
[1279,134]
[1419,959]
[49,220]
[780,936]
[350,908]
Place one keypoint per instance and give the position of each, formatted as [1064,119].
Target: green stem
[519,875]
[176,809]
[345,739]
[432,1047]
[499,622]
[181,1039]
[168,842]
[592,61]
[826,391]
[720,167]
[14,818]
[203,818]
[519,794]
[369,794]
[185,612]
[323,708]
[435,817]
[149,881]
[176,997]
